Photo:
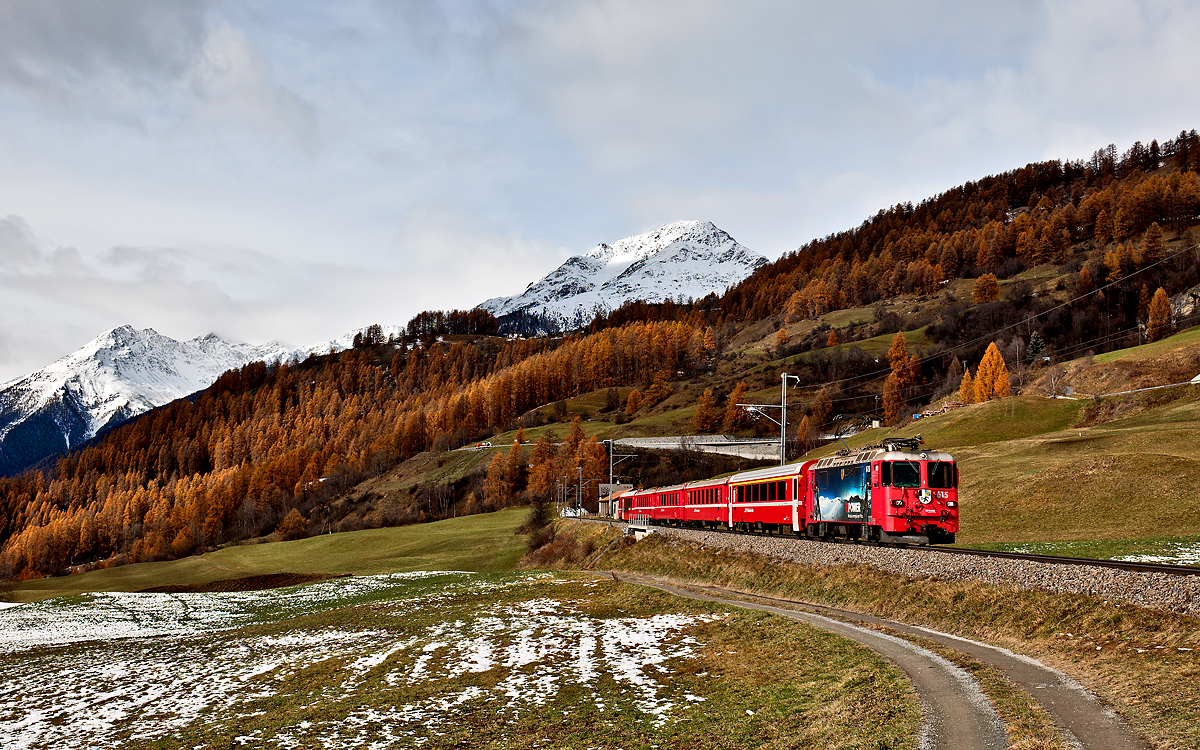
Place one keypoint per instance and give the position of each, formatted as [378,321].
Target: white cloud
[294,170]
[439,244]
[235,86]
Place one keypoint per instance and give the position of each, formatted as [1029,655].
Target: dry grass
[1133,658]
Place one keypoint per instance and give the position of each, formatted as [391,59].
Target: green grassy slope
[480,543]
[1029,476]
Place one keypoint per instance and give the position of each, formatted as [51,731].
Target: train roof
[769,472]
[876,453]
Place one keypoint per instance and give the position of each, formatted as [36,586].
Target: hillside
[366,437]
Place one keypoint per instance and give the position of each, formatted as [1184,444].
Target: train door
[796,503]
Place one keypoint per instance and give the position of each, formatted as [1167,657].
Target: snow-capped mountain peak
[683,259]
[119,374]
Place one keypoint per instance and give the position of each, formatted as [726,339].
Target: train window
[885,472]
[906,473]
[941,474]
[823,479]
[781,493]
[771,492]
[741,494]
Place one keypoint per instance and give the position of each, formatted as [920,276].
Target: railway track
[1181,570]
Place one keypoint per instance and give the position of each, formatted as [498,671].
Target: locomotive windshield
[906,473]
[942,475]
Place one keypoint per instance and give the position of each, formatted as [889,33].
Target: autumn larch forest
[266,445]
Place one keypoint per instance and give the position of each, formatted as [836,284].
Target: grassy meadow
[481,543]
[485,660]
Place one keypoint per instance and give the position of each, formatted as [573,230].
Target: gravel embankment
[1175,593]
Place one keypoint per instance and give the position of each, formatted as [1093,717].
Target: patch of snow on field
[1180,554]
[111,615]
[104,669]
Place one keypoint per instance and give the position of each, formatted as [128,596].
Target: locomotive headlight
[951,504]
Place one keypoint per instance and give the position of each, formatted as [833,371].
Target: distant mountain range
[125,372]
[684,259]
[118,375]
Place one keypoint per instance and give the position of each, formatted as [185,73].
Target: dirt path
[957,715]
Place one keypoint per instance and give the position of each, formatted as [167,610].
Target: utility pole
[612,454]
[782,422]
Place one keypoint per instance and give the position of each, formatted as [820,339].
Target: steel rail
[1185,570]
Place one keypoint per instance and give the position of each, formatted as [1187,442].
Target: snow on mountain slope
[117,375]
[684,259]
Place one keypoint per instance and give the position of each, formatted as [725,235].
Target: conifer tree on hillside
[781,340]
[991,378]
[804,432]
[897,381]
[893,399]
[1158,323]
[1036,346]
[496,486]
[734,414]
[707,416]
[1102,230]
[1083,286]
[986,289]
[966,389]
[1113,260]
[575,437]
[897,352]
[542,465]
[822,409]
[1153,247]
[988,255]
[593,460]
[633,402]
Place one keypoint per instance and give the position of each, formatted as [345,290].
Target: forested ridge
[266,440]
[265,445]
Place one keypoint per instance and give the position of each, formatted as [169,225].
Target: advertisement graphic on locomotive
[843,493]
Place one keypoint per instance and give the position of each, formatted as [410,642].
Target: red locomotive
[892,493]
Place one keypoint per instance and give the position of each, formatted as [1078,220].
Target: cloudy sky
[293,170]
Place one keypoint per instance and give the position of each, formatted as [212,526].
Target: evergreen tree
[986,289]
[822,409]
[898,353]
[1103,230]
[966,389]
[634,402]
[893,399]
[1153,246]
[707,417]
[1035,347]
[1158,324]
[991,379]
[1083,286]
[734,414]
[1113,260]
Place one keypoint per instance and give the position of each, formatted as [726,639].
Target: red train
[892,493]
